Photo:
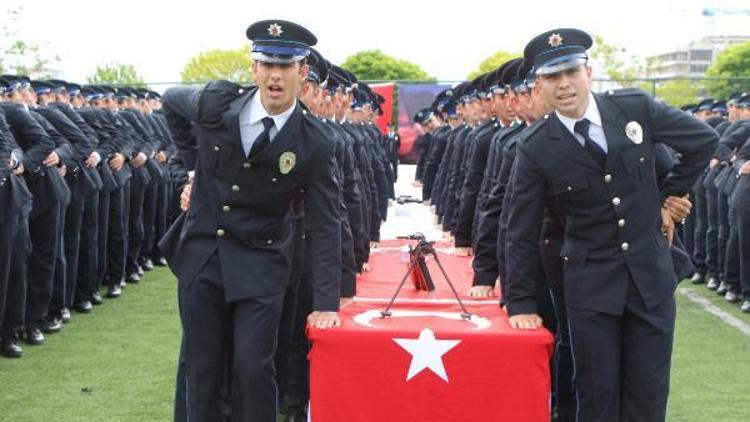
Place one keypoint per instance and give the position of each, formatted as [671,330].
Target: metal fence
[674,90]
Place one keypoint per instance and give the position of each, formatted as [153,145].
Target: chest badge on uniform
[634,132]
[287,161]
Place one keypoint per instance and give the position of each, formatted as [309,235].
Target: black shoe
[83,307]
[293,416]
[65,315]
[133,278]
[148,265]
[96,298]
[113,292]
[722,289]
[34,337]
[9,346]
[52,325]
[161,262]
[697,278]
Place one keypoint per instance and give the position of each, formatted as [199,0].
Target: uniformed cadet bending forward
[595,154]
[252,152]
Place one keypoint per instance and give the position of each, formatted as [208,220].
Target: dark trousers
[135,222]
[59,285]
[117,237]
[10,229]
[102,233]
[163,201]
[722,237]
[214,329]
[44,230]
[15,301]
[742,195]
[150,210]
[712,231]
[286,324]
[700,225]
[622,362]
[72,247]
[88,260]
[563,393]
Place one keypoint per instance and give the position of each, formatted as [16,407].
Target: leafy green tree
[491,63]
[616,62]
[678,92]
[734,62]
[117,74]
[19,56]
[231,65]
[375,65]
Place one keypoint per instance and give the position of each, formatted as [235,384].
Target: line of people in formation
[467,153]
[90,181]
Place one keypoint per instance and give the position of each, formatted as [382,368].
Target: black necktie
[263,139]
[582,128]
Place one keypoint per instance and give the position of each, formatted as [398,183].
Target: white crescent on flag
[365,318]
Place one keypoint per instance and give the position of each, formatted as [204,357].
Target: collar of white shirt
[258,112]
[592,113]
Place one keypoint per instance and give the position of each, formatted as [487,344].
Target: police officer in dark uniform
[595,154]
[254,150]
[15,204]
[47,187]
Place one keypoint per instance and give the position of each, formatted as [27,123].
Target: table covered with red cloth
[424,363]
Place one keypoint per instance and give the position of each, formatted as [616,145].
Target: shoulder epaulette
[624,92]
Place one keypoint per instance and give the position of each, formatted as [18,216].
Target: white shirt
[251,124]
[596,130]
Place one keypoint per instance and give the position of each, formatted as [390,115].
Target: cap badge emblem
[555,40]
[275,30]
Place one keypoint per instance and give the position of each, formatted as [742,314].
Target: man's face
[568,91]
[704,115]
[278,84]
[78,101]
[744,113]
[733,112]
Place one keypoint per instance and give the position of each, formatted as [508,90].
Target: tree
[491,63]
[22,57]
[616,62]
[678,92]
[734,62]
[377,66]
[231,65]
[117,74]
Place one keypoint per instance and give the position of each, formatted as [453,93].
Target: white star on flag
[426,352]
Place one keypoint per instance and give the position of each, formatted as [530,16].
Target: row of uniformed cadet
[86,192]
[716,234]
[570,200]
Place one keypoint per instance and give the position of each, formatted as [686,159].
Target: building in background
[692,60]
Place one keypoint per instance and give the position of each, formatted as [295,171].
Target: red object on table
[426,364]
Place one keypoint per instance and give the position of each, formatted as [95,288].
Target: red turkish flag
[425,363]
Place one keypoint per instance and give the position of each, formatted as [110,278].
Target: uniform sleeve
[181,107]
[322,212]
[693,139]
[525,218]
